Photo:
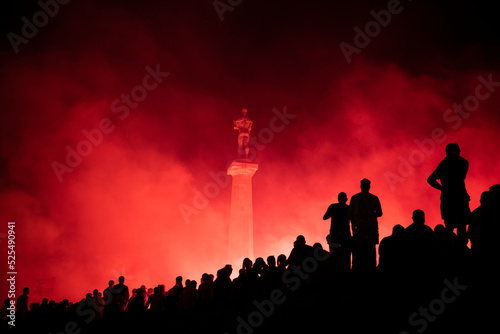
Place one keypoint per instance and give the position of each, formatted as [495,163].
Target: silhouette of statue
[364,209]
[451,171]
[340,233]
[244,126]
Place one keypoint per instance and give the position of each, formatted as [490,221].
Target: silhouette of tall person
[340,233]
[452,171]
[364,209]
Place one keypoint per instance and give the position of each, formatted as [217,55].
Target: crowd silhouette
[427,280]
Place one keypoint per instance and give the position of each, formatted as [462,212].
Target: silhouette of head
[178,280]
[271,261]
[484,197]
[439,230]
[418,217]
[259,263]
[222,273]
[247,264]
[26,290]
[281,259]
[365,185]
[318,247]
[229,270]
[342,197]
[300,240]
[398,230]
[121,279]
[452,150]
[494,193]
[111,283]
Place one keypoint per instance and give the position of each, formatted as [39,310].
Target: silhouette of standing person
[340,233]
[364,209]
[121,293]
[455,210]
[22,304]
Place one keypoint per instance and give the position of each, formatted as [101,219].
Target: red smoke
[117,211]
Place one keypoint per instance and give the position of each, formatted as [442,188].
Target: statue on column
[244,126]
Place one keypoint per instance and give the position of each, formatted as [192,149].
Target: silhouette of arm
[378,208]
[328,213]
[432,180]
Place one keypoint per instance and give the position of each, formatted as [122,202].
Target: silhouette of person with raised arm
[340,233]
[364,209]
[452,171]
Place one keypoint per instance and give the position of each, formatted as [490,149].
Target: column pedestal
[241,216]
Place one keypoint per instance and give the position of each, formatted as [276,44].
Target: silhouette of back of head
[365,185]
[300,240]
[418,217]
[452,150]
[398,230]
[342,197]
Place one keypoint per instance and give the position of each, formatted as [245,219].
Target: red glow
[117,212]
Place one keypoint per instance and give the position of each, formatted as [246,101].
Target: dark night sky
[117,212]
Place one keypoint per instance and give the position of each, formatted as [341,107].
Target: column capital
[242,168]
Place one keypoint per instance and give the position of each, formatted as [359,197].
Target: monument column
[241,215]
